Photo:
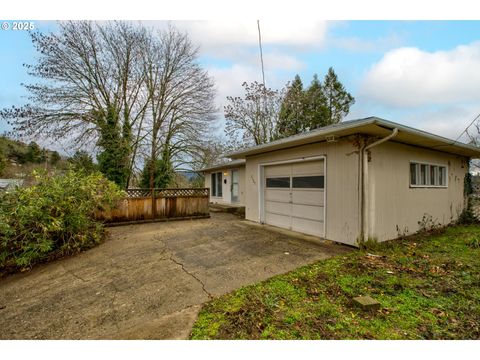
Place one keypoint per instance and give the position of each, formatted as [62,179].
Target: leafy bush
[52,218]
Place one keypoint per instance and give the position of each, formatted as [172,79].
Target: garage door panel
[278,220]
[300,205]
[311,197]
[278,208]
[277,170]
[277,195]
[308,212]
[307,226]
[308,168]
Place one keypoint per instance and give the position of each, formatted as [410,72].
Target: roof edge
[351,125]
[233,163]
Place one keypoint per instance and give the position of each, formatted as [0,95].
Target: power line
[466,129]
[261,52]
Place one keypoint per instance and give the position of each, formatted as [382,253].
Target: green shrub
[52,218]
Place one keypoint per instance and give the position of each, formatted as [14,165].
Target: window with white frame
[427,175]
[216,184]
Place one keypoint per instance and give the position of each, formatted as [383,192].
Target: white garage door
[294,196]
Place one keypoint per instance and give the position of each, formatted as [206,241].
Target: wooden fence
[169,204]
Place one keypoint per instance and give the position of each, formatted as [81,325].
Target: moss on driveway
[428,286]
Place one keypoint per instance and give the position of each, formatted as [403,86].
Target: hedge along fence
[169,204]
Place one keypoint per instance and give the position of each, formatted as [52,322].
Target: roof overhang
[369,126]
[228,165]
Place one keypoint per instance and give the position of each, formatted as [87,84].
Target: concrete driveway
[148,281]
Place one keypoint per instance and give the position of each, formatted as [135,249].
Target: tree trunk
[152,183]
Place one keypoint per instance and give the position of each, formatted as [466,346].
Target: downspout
[364,199]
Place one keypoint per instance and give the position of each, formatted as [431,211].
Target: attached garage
[294,195]
[357,180]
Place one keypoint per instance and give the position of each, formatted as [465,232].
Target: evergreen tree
[34,153]
[114,160]
[82,160]
[163,174]
[338,100]
[54,158]
[316,113]
[319,105]
[291,119]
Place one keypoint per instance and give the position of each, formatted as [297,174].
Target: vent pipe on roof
[365,203]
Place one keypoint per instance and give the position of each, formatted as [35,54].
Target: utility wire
[466,129]
[261,52]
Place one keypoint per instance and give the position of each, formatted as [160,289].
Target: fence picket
[170,203]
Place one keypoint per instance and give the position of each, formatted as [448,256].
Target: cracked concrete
[192,275]
[148,281]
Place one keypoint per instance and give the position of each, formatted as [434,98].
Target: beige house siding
[391,200]
[341,185]
[241,175]
[226,188]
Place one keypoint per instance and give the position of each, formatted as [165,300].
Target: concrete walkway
[148,281]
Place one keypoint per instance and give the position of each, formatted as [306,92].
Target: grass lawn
[428,286]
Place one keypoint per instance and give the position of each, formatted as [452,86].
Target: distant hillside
[190,175]
[18,158]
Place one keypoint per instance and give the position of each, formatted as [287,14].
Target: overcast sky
[424,74]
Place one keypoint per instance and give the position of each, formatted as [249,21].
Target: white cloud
[236,43]
[447,121]
[283,32]
[229,80]
[444,120]
[411,77]
[279,61]
[357,44]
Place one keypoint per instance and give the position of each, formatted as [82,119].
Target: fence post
[154,204]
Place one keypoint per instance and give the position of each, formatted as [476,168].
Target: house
[357,180]
[226,183]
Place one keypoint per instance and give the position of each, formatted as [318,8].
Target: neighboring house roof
[369,126]
[228,165]
[10,183]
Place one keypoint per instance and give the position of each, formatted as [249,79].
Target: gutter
[303,139]
[364,203]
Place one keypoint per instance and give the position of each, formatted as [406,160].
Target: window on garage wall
[427,175]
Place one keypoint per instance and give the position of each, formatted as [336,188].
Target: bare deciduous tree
[181,99]
[133,91]
[211,151]
[473,135]
[89,88]
[253,117]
